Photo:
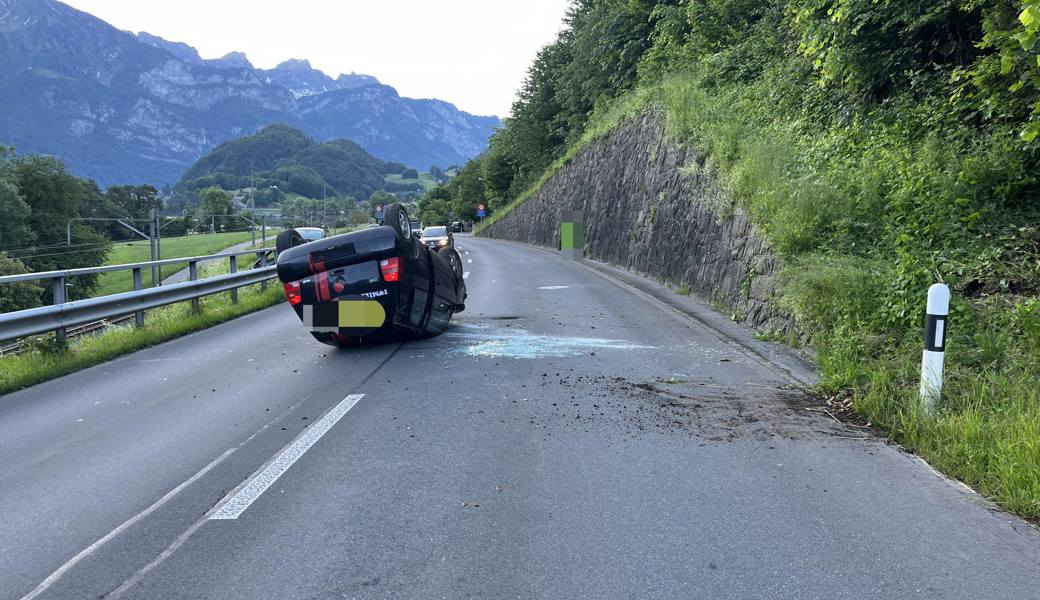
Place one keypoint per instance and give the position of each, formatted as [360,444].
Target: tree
[136,201]
[436,212]
[216,202]
[1005,84]
[14,218]
[876,48]
[97,205]
[54,197]
[410,174]
[380,198]
[468,190]
[21,295]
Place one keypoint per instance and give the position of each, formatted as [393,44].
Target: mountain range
[123,108]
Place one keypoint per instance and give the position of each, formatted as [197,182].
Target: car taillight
[391,269]
[292,292]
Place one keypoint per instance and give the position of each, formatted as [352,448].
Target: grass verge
[42,361]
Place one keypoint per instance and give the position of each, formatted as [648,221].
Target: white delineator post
[934,346]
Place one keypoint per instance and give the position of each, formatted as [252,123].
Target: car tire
[287,239]
[397,218]
[454,259]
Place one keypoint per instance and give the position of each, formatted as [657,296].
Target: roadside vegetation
[880,147]
[41,360]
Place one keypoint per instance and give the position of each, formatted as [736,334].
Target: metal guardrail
[62,315]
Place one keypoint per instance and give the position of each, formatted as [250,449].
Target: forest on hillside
[281,160]
[952,69]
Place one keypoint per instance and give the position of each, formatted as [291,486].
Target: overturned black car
[371,286]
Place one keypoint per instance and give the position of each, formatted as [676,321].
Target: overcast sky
[473,53]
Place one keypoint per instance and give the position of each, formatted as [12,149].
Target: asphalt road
[570,437]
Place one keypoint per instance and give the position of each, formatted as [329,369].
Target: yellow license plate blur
[361,313]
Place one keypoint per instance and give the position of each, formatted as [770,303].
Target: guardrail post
[59,298]
[234,269]
[138,285]
[263,263]
[193,275]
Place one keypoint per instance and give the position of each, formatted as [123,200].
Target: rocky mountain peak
[295,64]
[234,59]
[181,50]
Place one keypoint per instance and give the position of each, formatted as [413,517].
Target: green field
[178,247]
[425,179]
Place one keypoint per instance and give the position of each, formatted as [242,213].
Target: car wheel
[454,259]
[397,218]
[287,239]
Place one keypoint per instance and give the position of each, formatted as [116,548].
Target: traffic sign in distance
[379,208]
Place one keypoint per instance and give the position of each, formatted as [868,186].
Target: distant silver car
[311,234]
[437,237]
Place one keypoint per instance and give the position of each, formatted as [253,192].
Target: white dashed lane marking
[258,484]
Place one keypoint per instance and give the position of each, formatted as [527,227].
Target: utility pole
[252,204]
[154,248]
[158,241]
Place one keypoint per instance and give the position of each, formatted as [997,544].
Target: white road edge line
[55,576]
[254,487]
[469,260]
[465,275]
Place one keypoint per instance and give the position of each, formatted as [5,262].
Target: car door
[445,294]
